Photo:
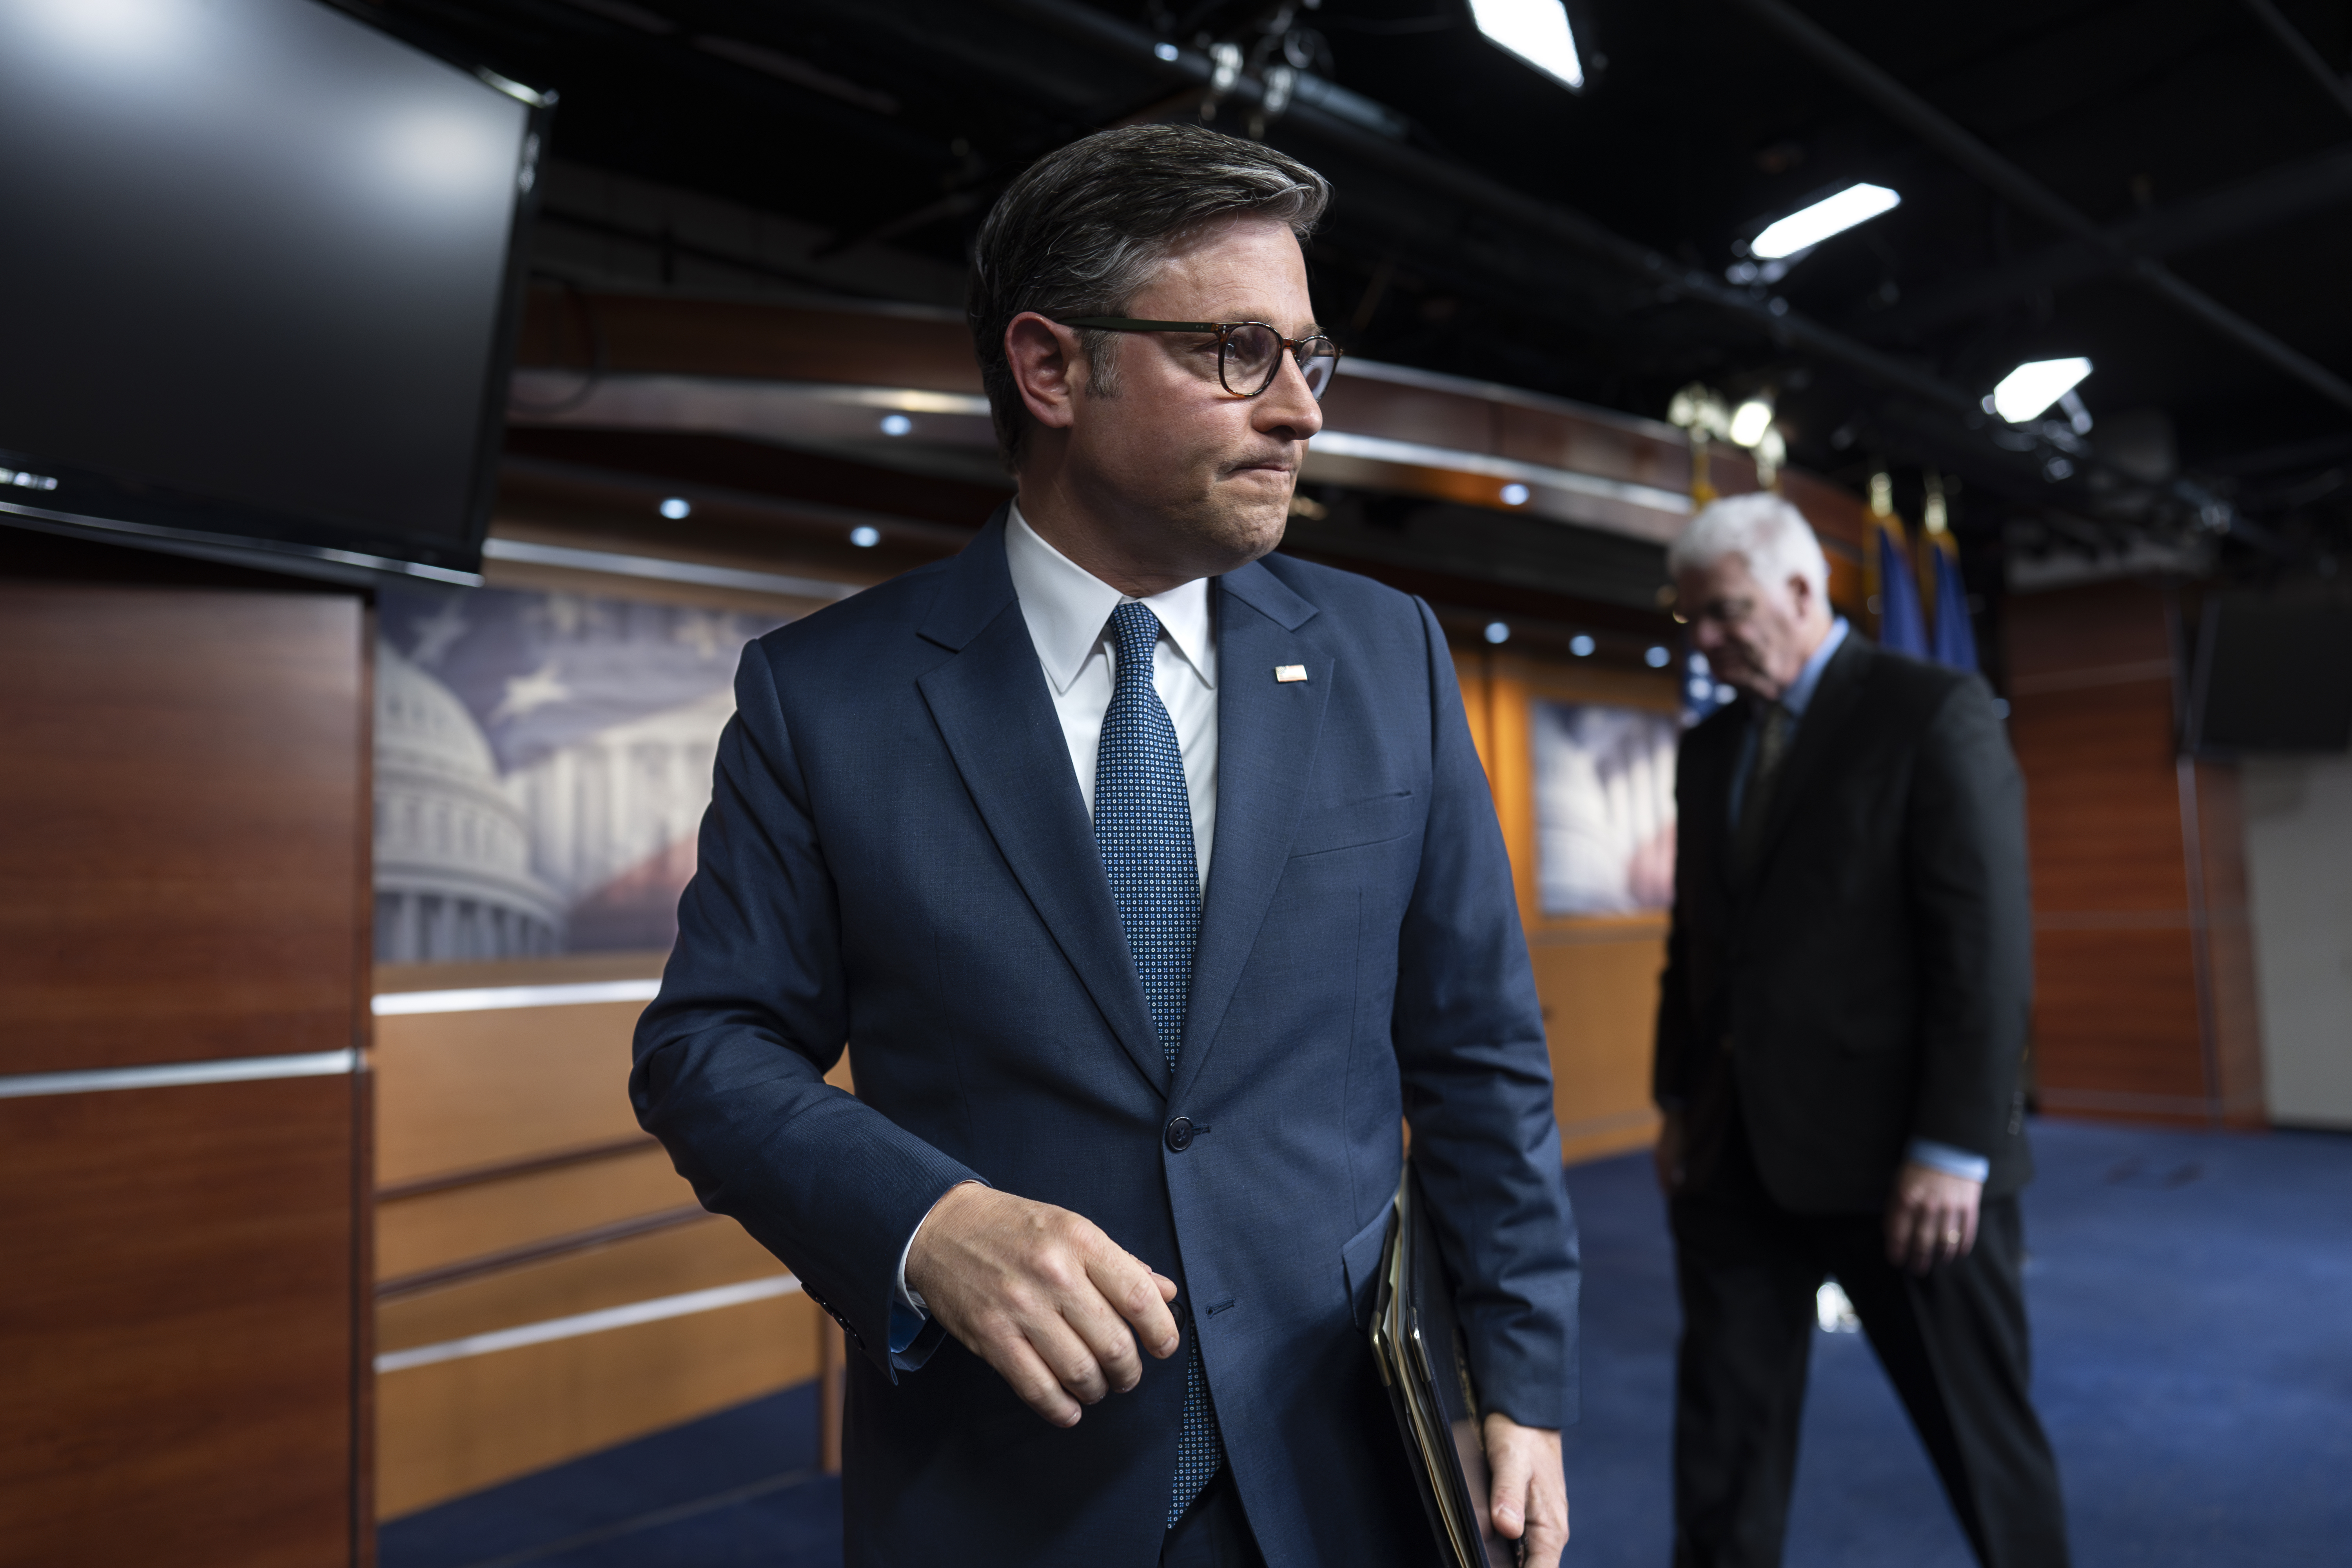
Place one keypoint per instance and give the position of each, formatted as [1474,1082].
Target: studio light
[2025,393]
[1580,646]
[1831,214]
[865,536]
[1538,32]
[676,508]
[1498,633]
[1750,420]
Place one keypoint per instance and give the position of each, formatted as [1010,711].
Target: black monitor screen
[255,273]
[2273,674]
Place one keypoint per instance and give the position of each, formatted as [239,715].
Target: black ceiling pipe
[1932,126]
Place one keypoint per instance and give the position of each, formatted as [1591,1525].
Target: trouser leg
[1955,1346]
[1747,1281]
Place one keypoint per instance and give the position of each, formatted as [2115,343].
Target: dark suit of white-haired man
[1840,1034]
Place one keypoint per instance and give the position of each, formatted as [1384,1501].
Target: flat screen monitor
[257,276]
[2274,673]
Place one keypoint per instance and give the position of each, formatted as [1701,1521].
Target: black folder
[1417,1345]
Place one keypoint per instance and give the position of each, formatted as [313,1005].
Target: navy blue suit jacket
[897,856]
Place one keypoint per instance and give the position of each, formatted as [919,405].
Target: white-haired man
[1840,1038]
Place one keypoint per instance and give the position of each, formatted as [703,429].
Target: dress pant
[1212,1533]
[1954,1344]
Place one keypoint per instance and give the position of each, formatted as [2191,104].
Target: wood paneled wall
[183,879]
[516,1190]
[1597,977]
[2144,995]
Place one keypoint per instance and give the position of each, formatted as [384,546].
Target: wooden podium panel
[183,886]
[178,1325]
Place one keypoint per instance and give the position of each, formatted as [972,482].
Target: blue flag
[1901,626]
[1956,639]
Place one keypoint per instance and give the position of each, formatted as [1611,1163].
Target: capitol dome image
[453,876]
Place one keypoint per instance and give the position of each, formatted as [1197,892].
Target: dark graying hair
[1083,229]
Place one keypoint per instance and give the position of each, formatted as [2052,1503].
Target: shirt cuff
[1922,1152]
[909,1313]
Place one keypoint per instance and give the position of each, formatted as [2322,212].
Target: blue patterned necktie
[1143,826]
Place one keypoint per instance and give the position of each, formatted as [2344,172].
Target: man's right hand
[1668,1153]
[1043,1295]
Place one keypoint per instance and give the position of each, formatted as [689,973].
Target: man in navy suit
[1152,880]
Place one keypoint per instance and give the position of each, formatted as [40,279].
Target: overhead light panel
[1538,32]
[1831,214]
[2030,389]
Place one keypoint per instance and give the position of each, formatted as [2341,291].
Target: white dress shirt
[1068,611]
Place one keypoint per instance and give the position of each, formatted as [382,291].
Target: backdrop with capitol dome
[542,761]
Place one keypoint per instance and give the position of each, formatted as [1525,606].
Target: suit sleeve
[732,1056]
[1966,844]
[1469,1040]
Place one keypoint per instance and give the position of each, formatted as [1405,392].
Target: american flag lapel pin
[1288,673]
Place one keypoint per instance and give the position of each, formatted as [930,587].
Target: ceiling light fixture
[1831,214]
[865,536]
[1538,32]
[1498,633]
[2029,390]
[676,508]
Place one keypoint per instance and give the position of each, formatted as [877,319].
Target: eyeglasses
[1249,353]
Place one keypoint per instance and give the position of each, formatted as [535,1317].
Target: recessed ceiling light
[675,507]
[1831,214]
[1538,32]
[2025,393]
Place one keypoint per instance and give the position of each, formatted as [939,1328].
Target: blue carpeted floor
[2192,1306]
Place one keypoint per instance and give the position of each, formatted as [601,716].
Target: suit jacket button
[1180,1134]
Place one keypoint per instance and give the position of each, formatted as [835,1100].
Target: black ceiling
[2165,186]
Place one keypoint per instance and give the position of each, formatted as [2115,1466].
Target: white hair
[1773,535]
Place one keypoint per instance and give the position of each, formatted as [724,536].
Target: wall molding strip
[531,1252]
[179,1075]
[475,1175]
[615,563]
[610,1318]
[485,998]
[1415,455]
[1616,1121]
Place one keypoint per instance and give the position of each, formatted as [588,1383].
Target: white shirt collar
[1068,607]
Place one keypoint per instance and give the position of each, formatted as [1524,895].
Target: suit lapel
[1834,702]
[997,717]
[1267,736]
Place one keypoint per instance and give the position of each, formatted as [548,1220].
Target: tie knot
[1137,631]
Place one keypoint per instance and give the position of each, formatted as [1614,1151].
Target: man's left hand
[1931,1217]
[1529,1503]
